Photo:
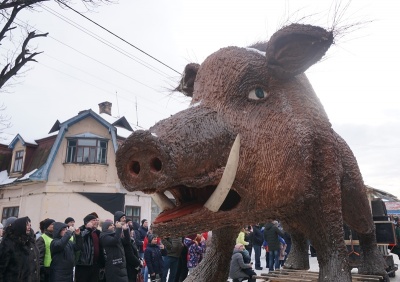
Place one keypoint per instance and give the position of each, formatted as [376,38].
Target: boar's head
[259,101]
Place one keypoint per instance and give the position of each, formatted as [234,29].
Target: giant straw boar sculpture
[255,144]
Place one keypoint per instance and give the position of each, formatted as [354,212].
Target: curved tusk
[218,197]
[162,201]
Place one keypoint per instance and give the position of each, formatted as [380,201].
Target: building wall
[58,198]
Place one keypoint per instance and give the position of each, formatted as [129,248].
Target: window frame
[135,218]
[86,153]
[9,212]
[18,161]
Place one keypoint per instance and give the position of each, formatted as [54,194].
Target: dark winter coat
[86,256]
[138,237]
[63,254]
[19,256]
[153,258]
[271,233]
[173,246]
[111,241]
[258,237]
[131,255]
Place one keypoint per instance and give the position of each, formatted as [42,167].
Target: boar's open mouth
[192,199]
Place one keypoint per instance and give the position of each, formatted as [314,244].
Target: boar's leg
[357,214]
[328,240]
[298,256]
[215,264]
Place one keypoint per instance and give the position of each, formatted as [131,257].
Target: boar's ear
[186,84]
[294,48]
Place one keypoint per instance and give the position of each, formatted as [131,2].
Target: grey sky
[357,81]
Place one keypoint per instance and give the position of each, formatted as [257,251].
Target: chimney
[105,107]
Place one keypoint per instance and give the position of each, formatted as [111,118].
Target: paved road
[314,266]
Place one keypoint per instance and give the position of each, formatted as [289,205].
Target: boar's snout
[141,159]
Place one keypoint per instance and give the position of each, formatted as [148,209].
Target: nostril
[135,167]
[156,164]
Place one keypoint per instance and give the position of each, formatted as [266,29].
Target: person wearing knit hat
[111,239]
[88,218]
[43,244]
[153,258]
[91,259]
[63,251]
[119,216]
[19,255]
[70,221]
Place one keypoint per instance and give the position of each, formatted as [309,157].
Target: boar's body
[292,165]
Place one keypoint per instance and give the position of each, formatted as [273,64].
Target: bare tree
[9,9]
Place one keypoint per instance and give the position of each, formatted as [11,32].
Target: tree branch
[24,57]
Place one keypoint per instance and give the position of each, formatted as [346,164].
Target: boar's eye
[257,94]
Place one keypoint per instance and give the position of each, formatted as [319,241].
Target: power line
[104,41]
[112,33]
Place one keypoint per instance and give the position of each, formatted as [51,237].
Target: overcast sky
[83,65]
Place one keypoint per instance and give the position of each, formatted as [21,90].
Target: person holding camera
[63,252]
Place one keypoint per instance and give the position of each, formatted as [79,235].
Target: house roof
[39,163]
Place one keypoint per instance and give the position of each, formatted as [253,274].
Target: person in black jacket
[63,252]
[19,256]
[111,239]
[132,259]
[257,243]
[153,258]
[91,259]
[271,235]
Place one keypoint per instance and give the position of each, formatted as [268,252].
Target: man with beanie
[43,244]
[132,261]
[91,258]
[69,221]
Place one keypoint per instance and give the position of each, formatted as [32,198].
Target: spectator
[19,256]
[257,243]
[91,259]
[238,268]
[288,240]
[153,258]
[182,272]
[70,221]
[173,247]
[248,237]
[63,252]
[196,245]
[240,237]
[138,238]
[111,240]
[132,261]
[143,229]
[271,235]
[43,244]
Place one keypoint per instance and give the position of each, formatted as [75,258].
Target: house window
[9,212]
[133,213]
[88,151]
[19,156]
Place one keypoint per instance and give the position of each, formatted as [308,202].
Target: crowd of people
[271,237]
[121,250]
[117,250]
